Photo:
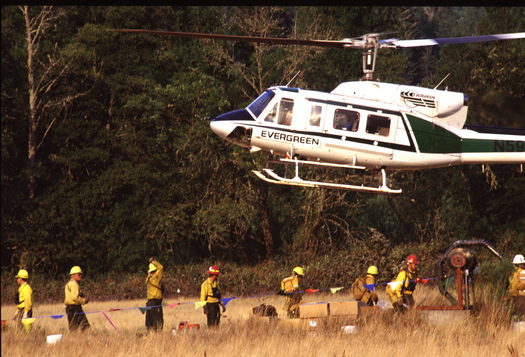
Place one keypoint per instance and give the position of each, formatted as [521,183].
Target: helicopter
[362,125]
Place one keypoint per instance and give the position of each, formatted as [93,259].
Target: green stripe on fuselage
[432,138]
[488,145]
[478,145]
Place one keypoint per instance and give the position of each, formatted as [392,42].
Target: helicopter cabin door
[309,126]
[314,119]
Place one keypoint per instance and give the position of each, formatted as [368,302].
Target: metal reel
[461,258]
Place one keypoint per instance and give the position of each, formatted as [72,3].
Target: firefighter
[74,301]
[211,293]
[402,288]
[363,293]
[24,299]
[155,290]
[289,286]
[517,279]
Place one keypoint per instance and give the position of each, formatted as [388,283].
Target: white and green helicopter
[363,124]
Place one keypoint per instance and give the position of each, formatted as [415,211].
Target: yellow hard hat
[22,274]
[151,268]
[298,271]
[372,270]
[75,270]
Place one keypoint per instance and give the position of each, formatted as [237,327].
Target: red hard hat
[214,270]
[412,259]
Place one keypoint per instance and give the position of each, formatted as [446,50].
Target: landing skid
[297,181]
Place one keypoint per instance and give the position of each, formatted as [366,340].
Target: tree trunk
[263,207]
[33,124]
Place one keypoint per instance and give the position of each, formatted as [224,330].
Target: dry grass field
[487,333]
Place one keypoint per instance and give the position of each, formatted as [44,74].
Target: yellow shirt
[25,297]
[289,285]
[210,291]
[517,287]
[366,293]
[407,278]
[521,276]
[153,282]
[73,294]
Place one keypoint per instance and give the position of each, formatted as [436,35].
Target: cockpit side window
[281,113]
[285,112]
[259,104]
[272,114]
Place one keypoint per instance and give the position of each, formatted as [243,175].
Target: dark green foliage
[130,168]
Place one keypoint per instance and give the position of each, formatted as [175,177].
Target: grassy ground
[488,332]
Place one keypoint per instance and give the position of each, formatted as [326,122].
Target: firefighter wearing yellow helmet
[289,286]
[517,279]
[361,287]
[74,300]
[23,300]
[155,289]
[402,288]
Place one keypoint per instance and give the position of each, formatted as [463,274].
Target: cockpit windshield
[259,104]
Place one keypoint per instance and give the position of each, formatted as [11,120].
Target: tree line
[108,159]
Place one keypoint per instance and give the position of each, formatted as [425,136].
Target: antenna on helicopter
[287,84]
[441,81]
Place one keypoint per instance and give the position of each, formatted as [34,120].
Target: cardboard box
[369,310]
[345,308]
[314,309]
[267,319]
[306,324]
[318,323]
[312,324]
[343,320]
[293,323]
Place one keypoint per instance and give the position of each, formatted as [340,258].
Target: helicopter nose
[221,128]
[224,124]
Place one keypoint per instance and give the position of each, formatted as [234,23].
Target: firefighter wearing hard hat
[23,300]
[402,288]
[211,294]
[74,301]
[360,287]
[517,279]
[155,289]
[289,286]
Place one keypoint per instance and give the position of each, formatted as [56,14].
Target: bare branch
[265,22]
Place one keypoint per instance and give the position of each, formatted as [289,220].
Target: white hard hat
[518,259]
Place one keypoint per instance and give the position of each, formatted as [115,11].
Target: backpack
[358,289]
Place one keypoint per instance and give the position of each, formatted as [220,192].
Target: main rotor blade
[273,41]
[453,40]
[358,42]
